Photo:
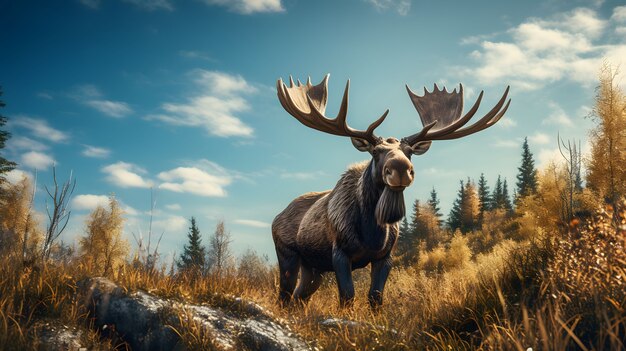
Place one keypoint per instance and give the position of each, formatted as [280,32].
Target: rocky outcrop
[147,322]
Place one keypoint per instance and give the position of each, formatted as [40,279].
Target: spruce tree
[433,202]
[456,216]
[484,199]
[506,200]
[5,165]
[497,197]
[192,257]
[527,174]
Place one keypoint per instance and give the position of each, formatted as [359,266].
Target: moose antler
[307,103]
[443,109]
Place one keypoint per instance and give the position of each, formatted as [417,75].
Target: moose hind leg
[310,281]
[288,264]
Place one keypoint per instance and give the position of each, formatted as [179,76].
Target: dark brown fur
[358,218]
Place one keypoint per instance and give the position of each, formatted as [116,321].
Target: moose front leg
[343,273]
[379,274]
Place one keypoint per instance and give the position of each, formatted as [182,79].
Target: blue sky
[179,96]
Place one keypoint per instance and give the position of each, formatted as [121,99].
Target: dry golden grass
[554,293]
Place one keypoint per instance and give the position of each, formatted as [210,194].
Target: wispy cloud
[252,223]
[40,129]
[507,123]
[126,175]
[173,207]
[196,55]
[247,7]
[37,160]
[215,109]
[152,5]
[95,152]
[91,96]
[539,51]
[170,224]
[24,143]
[402,7]
[539,138]
[557,116]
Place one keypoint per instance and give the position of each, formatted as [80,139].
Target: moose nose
[398,173]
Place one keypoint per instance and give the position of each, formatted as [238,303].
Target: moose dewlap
[356,223]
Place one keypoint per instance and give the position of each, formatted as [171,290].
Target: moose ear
[421,147]
[361,144]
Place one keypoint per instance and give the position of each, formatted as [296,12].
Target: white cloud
[95,152]
[115,109]
[215,108]
[24,143]
[247,7]
[194,180]
[126,175]
[252,223]
[89,202]
[37,160]
[193,54]
[507,123]
[540,51]
[173,207]
[539,138]
[557,116]
[40,128]
[619,14]
[91,96]
[546,156]
[152,5]
[402,7]
[170,224]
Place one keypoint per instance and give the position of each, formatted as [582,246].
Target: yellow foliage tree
[20,233]
[103,248]
[606,174]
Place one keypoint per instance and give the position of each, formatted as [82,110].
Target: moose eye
[375,152]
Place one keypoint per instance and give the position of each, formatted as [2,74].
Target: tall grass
[557,292]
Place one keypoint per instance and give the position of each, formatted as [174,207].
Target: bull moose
[356,223]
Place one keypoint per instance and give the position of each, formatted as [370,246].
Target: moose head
[440,112]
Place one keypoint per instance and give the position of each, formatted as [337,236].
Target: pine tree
[527,174]
[433,202]
[5,165]
[192,258]
[484,199]
[407,243]
[455,217]
[506,200]
[497,196]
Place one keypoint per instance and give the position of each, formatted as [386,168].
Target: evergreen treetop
[193,253]
[527,174]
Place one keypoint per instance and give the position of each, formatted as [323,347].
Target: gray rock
[147,322]
[55,336]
